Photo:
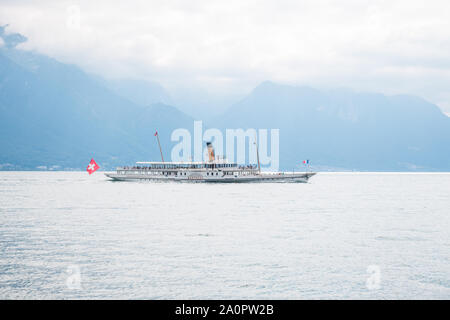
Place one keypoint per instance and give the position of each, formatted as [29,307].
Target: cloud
[10,40]
[230,46]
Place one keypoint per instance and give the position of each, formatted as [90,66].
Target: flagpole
[257,153]
[159,144]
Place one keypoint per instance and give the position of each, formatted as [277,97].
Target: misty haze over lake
[56,116]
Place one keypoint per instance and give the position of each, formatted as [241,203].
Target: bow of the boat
[308,175]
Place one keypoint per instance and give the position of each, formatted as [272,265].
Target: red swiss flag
[92,167]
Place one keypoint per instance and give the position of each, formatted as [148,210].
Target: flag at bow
[156,133]
[92,166]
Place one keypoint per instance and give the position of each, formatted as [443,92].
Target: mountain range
[348,130]
[56,116]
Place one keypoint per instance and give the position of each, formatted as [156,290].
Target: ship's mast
[159,144]
[257,153]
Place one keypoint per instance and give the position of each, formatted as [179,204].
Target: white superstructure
[214,170]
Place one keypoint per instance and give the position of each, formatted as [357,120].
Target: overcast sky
[226,47]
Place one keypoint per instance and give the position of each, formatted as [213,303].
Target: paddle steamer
[213,170]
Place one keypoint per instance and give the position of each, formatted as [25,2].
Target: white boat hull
[264,177]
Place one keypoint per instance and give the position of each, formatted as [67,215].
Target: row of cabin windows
[220,165]
[175,173]
[187,166]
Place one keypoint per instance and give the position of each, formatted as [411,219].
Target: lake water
[68,235]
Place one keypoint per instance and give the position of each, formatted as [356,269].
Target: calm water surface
[67,235]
